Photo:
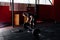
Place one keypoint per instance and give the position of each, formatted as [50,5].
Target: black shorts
[26,25]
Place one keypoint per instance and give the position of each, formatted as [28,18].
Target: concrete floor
[48,31]
[10,33]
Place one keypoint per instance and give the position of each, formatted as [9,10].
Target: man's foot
[32,31]
[28,31]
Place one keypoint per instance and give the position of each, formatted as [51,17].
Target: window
[45,2]
[4,0]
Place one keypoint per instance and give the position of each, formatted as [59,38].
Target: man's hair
[26,14]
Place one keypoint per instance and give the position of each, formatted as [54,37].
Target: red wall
[46,12]
[5,14]
[57,9]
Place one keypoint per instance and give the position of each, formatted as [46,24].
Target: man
[26,19]
[31,21]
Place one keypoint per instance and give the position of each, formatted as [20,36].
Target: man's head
[25,14]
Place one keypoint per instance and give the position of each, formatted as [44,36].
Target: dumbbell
[36,33]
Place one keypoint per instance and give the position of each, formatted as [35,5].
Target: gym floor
[49,31]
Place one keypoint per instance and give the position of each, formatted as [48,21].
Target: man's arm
[31,19]
[27,19]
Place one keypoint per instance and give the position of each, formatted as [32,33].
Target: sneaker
[28,31]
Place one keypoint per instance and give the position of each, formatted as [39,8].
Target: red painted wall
[57,9]
[5,14]
[46,12]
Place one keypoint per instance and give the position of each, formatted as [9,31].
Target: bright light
[4,0]
[46,2]
[25,1]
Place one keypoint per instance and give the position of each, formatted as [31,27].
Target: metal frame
[12,8]
[36,7]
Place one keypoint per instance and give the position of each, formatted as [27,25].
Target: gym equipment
[17,19]
[35,31]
